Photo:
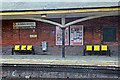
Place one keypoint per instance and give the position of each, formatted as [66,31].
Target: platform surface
[58,60]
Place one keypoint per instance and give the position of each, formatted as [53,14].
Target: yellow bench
[88,48]
[105,48]
[93,49]
[96,48]
[23,49]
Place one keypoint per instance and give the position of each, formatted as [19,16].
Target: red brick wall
[7,32]
[95,26]
[22,36]
[44,31]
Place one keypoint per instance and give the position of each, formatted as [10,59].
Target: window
[109,34]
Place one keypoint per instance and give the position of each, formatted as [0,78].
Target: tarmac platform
[58,60]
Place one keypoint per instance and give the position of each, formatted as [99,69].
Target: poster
[76,35]
[59,36]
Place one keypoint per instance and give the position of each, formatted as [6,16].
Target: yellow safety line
[60,11]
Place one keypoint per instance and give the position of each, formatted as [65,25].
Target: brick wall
[92,33]
[22,36]
[94,27]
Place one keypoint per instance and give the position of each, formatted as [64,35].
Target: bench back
[104,47]
[17,47]
[88,47]
[23,47]
[96,47]
[29,47]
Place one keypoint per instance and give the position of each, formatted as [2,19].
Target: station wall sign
[33,35]
[24,25]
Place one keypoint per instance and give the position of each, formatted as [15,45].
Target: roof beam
[59,11]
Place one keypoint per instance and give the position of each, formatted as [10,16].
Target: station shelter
[78,27]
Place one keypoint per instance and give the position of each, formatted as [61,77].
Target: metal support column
[63,42]
[63,38]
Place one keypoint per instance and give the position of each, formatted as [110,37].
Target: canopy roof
[23,6]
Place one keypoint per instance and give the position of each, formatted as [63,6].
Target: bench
[97,49]
[23,49]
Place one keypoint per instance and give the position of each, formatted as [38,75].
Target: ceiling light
[43,15]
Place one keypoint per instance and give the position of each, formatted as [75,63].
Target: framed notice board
[76,35]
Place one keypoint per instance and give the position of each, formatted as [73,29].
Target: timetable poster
[76,35]
[59,36]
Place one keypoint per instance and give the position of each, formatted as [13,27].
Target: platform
[58,60]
